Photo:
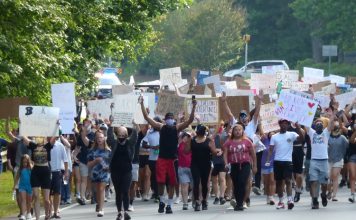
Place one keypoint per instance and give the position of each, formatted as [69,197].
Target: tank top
[25,177]
[201,154]
[168,142]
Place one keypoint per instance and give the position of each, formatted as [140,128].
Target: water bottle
[13,195]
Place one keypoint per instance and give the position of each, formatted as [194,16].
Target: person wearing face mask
[123,150]
[201,148]
[319,167]
[168,149]
[338,145]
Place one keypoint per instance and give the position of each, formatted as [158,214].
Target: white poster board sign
[38,121]
[170,76]
[288,77]
[63,97]
[330,89]
[299,86]
[265,82]
[336,79]
[207,109]
[272,69]
[126,108]
[99,108]
[215,80]
[226,85]
[313,73]
[345,99]
[269,120]
[295,108]
[323,100]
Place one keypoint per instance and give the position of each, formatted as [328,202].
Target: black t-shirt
[168,142]
[140,136]
[11,153]
[121,160]
[41,155]
[201,154]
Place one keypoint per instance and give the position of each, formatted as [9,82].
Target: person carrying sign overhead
[168,144]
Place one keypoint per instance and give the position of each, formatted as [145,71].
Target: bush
[341,69]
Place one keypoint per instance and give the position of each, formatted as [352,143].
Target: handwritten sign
[63,97]
[12,106]
[299,86]
[295,108]
[207,109]
[288,77]
[330,89]
[272,69]
[39,121]
[126,108]
[313,73]
[99,108]
[265,82]
[215,80]
[170,76]
[345,98]
[269,120]
[336,79]
[122,89]
[169,102]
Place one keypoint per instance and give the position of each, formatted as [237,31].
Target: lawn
[8,207]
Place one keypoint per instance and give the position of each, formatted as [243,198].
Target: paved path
[341,210]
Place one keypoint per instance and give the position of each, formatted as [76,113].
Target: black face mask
[121,140]
[319,128]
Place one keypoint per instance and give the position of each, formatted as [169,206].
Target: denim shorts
[319,171]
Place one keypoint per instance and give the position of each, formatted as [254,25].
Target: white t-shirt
[58,156]
[250,129]
[152,139]
[283,145]
[319,144]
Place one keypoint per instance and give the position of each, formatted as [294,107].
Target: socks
[290,198]
[170,202]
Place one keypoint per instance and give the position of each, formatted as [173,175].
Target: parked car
[255,67]
[106,81]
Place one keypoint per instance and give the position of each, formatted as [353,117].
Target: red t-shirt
[238,151]
[184,159]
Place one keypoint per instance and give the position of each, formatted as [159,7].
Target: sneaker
[138,194]
[81,201]
[119,216]
[100,213]
[290,205]
[131,208]
[145,198]
[352,198]
[127,216]
[315,204]
[156,200]
[271,202]
[204,205]
[297,197]
[68,202]
[28,216]
[185,206]
[197,207]
[161,207]
[248,202]
[227,198]
[233,203]
[97,208]
[22,217]
[169,210]
[238,208]
[222,201]
[216,201]
[342,183]
[244,206]
[324,199]
[334,199]
[256,190]
[280,205]
[177,200]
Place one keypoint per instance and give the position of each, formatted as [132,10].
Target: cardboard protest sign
[122,89]
[272,69]
[295,108]
[99,108]
[39,121]
[207,109]
[169,102]
[241,83]
[345,99]
[170,76]
[63,97]
[269,120]
[265,82]
[12,106]
[351,79]
[201,75]
[126,109]
[299,86]
[236,104]
[330,89]
[288,77]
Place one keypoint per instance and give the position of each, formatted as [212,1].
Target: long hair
[96,145]
[29,162]
[234,127]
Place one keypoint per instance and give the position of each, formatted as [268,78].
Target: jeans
[65,189]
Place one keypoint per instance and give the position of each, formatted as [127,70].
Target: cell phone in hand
[193,97]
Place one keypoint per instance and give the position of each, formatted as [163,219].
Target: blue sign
[201,75]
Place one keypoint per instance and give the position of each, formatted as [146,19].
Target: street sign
[329,51]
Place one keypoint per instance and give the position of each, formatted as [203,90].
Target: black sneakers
[324,199]
[161,207]
[315,203]
[222,201]
[204,205]
[169,209]
[297,197]
[216,201]
[197,206]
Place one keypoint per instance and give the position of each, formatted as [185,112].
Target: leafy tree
[205,36]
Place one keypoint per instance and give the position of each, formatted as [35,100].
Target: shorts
[165,169]
[41,177]
[319,171]
[218,168]
[26,189]
[338,164]
[267,170]
[134,172]
[282,170]
[298,159]
[83,169]
[56,182]
[143,160]
[185,175]
[352,158]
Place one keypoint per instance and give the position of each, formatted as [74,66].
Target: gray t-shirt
[20,151]
[337,148]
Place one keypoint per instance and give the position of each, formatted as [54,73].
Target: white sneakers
[28,216]
[177,200]
[22,217]
[131,208]
[100,213]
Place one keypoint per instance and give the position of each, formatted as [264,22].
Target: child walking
[25,189]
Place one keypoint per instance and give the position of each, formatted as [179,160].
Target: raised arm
[226,107]
[331,122]
[156,125]
[65,141]
[8,132]
[258,106]
[300,132]
[83,135]
[349,108]
[185,124]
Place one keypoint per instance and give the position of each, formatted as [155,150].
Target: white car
[106,81]
[255,67]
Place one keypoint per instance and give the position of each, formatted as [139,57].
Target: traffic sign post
[329,51]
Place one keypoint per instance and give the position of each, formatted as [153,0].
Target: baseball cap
[103,126]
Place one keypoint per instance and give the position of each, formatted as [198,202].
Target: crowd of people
[169,161]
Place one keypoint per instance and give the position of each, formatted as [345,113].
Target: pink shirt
[184,159]
[238,151]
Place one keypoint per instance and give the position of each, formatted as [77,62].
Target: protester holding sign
[168,152]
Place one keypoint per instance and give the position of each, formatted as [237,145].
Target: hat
[282,120]
[103,126]
[243,112]
[157,119]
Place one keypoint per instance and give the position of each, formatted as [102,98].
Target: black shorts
[56,182]
[298,159]
[143,160]
[282,170]
[218,168]
[41,177]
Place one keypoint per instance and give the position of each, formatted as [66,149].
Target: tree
[206,36]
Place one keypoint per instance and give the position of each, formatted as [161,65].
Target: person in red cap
[282,144]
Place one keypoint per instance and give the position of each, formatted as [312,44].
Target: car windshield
[109,81]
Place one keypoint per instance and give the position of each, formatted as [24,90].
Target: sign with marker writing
[207,109]
[170,76]
[99,108]
[38,121]
[296,108]
[269,119]
[288,77]
[126,109]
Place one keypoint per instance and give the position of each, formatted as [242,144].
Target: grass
[8,207]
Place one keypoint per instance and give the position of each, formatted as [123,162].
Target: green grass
[8,207]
